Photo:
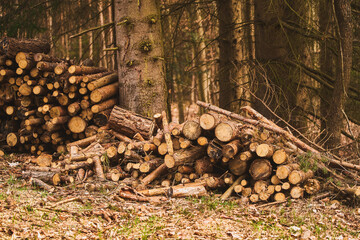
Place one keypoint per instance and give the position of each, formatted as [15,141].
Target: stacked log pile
[156,157]
[46,101]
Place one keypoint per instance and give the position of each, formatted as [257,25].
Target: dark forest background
[296,62]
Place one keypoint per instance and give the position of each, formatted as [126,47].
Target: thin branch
[92,29]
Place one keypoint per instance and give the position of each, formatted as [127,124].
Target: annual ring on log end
[207,121]
[224,132]
[77,124]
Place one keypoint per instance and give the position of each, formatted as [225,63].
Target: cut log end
[77,124]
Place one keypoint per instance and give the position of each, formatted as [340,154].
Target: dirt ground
[30,213]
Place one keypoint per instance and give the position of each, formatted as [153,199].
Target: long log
[129,123]
[11,46]
[162,169]
[108,79]
[83,70]
[48,177]
[191,189]
[183,156]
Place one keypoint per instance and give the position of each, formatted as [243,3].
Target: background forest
[294,61]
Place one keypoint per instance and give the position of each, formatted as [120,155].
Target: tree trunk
[140,58]
[343,71]
[326,61]
[227,87]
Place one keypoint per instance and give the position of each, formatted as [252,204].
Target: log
[354,191]
[297,192]
[280,156]
[162,149]
[260,186]
[149,147]
[184,169]
[48,177]
[227,131]
[25,90]
[41,184]
[202,141]
[77,124]
[214,150]
[12,139]
[184,143]
[191,129]
[312,186]
[103,93]
[260,169]
[46,66]
[184,156]
[264,196]
[104,105]
[208,121]
[112,153]
[98,168]
[265,150]
[73,108]
[84,70]
[286,186]
[187,190]
[120,136]
[60,120]
[237,166]
[275,180]
[253,146]
[229,191]
[82,143]
[11,46]
[279,197]
[298,176]
[246,192]
[167,134]
[176,129]
[270,189]
[158,138]
[83,164]
[26,64]
[238,189]
[214,182]
[162,169]
[246,156]
[61,68]
[254,198]
[129,123]
[232,148]
[150,165]
[203,165]
[101,118]
[93,77]
[108,79]
[44,57]
[283,171]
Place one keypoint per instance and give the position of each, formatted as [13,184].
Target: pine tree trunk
[343,71]
[140,59]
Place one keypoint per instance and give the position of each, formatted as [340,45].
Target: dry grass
[26,212]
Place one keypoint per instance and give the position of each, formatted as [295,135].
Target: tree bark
[343,71]
[140,58]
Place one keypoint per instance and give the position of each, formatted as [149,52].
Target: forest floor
[30,213]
